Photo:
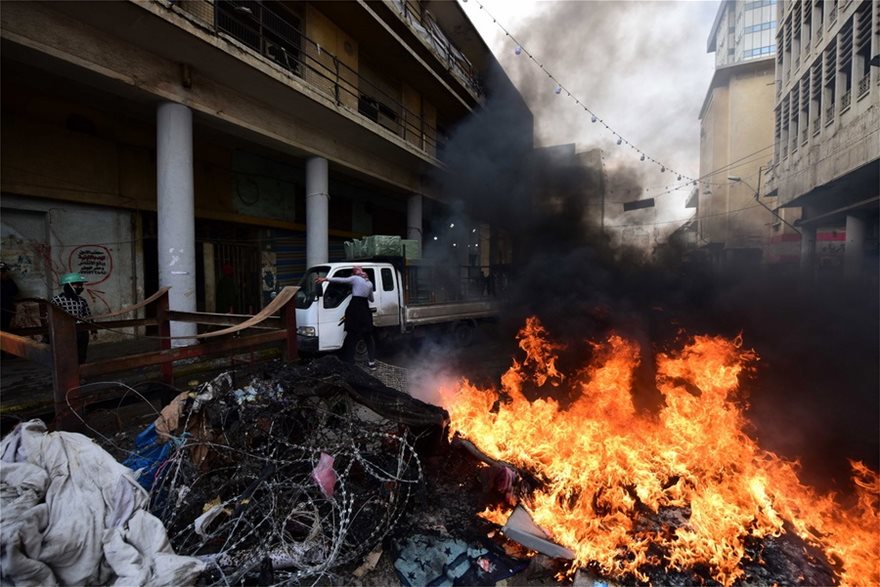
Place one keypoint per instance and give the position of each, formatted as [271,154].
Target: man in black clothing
[70,301]
[8,292]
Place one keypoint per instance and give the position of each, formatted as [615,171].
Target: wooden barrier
[61,352]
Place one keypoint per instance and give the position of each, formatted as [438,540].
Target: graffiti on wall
[95,263]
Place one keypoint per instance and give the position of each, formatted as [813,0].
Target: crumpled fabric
[72,515]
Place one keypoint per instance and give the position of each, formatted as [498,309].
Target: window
[308,289]
[387,280]
[337,293]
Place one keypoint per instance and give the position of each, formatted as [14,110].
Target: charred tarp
[290,477]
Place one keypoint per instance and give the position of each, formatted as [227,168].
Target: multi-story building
[827,131]
[737,223]
[154,143]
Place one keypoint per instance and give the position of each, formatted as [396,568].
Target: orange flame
[603,463]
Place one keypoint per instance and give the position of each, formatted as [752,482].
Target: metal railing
[429,31]
[273,325]
[845,100]
[864,84]
[829,115]
[279,39]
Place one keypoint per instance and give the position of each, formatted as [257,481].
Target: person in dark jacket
[358,317]
[70,301]
[8,294]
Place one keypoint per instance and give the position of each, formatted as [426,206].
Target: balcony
[785,151]
[864,85]
[278,38]
[845,101]
[805,135]
[816,125]
[829,115]
[433,36]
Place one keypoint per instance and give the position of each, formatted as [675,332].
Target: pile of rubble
[312,473]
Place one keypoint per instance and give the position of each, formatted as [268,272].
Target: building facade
[737,222]
[153,143]
[827,122]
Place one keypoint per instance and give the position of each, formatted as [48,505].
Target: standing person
[8,293]
[70,301]
[358,318]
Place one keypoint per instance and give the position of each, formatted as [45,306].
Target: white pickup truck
[402,303]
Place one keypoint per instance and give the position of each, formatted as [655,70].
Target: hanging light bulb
[662,169]
[643,156]
[558,89]
[518,50]
[679,178]
[593,119]
[619,140]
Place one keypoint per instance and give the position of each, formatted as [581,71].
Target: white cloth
[70,514]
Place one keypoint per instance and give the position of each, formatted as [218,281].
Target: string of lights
[520,49]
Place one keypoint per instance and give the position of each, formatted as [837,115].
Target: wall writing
[93,262]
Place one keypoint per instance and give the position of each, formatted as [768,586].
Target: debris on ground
[296,475]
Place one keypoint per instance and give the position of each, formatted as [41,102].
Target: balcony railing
[829,115]
[805,135]
[864,84]
[817,126]
[278,38]
[424,25]
[785,151]
[845,100]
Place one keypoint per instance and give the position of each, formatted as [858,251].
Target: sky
[640,65]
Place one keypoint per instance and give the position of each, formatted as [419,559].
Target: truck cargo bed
[424,314]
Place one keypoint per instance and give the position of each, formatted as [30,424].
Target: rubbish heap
[302,471]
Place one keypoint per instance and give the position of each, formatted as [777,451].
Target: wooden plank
[288,318]
[133,307]
[65,363]
[27,348]
[220,319]
[285,295]
[33,330]
[165,357]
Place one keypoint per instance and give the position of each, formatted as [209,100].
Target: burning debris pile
[289,478]
[680,496]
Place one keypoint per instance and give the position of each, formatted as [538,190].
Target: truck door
[331,316]
[387,294]
[334,301]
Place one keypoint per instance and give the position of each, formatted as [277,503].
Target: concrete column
[176,212]
[854,252]
[414,218]
[317,212]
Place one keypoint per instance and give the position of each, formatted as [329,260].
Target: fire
[604,465]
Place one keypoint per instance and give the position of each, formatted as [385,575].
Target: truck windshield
[308,288]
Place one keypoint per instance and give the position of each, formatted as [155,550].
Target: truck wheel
[360,351]
[463,333]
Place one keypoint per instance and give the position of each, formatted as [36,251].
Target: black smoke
[814,395]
